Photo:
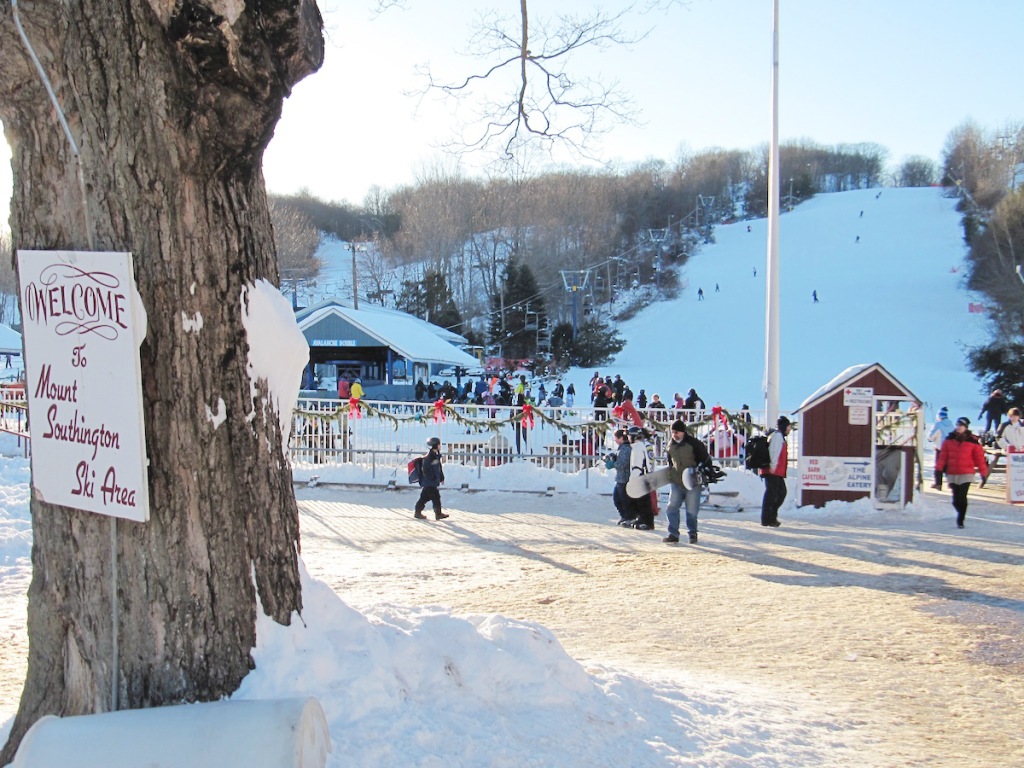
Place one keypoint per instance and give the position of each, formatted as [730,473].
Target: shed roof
[409,336]
[852,373]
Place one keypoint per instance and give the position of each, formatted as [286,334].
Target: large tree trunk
[171,103]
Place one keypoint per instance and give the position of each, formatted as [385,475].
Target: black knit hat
[678,425]
[963,420]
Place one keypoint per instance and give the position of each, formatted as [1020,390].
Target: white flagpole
[771,354]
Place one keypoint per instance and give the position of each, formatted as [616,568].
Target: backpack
[758,455]
[415,468]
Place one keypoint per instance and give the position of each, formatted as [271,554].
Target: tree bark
[171,103]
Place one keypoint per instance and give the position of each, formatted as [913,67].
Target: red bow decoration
[439,414]
[617,411]
[527,416]
[716,414]
[353,408]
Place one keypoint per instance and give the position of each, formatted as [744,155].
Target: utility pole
[708,204]
[771,353]
[575,282]
[355,279]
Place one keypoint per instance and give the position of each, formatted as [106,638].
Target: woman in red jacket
[960,456]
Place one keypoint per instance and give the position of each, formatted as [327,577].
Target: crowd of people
[959,456]
[497,389]
[506,389]
[613,391]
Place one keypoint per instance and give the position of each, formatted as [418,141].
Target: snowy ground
[529,630]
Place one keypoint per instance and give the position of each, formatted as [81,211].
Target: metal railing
[14,421]
[379,434]
[382,435]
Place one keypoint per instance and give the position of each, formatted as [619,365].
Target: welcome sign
[83,323]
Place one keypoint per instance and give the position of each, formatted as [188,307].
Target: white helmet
[691,478]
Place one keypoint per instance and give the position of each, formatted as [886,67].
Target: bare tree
[531,60]
[170,144]
[972,164]
[916,171]
[297,242]
[994,263]
[377,275]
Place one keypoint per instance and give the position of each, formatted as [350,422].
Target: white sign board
[1015,478]
[858,415]
[83,323]
[858,396]
[836,473]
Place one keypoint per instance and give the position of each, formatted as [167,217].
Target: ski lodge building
[387,350]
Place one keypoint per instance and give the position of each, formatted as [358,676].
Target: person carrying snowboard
[431,477]
[685,454]
[641,462]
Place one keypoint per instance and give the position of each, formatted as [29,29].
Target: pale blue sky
[901,73]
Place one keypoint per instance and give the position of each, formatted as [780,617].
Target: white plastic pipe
[254,734]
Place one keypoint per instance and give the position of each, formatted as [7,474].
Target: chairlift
[531,321]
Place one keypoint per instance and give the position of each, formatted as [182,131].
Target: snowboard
[640,485]
[641,459]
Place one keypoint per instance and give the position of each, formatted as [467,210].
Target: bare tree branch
[530,66]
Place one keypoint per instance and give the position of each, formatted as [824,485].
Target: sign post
[83,324]
[836,473]
[1015,476]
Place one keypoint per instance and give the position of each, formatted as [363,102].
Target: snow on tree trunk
[171,104]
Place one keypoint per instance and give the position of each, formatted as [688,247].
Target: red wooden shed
[859,437]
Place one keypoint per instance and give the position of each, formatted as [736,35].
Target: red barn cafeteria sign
[83,324]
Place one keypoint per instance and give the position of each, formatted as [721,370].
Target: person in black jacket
[993,409]
[601,402]
[431,476]
[693,401]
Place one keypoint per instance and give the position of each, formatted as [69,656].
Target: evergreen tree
[1000,365]
[412,298]
[595,344]
[516,312]
[440,304]
[562,345]
[431,300]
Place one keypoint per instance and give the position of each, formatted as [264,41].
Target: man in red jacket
[960,457]
[775,474]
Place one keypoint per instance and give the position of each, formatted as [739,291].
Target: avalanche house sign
[83,323]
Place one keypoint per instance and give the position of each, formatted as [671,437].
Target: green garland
[601,427]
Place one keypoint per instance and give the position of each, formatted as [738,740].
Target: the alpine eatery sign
[83,323]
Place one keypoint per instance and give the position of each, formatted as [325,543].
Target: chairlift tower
[575,282]
[660,237]
[707,202]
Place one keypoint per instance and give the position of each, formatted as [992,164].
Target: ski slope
[894,297]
